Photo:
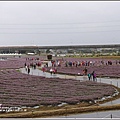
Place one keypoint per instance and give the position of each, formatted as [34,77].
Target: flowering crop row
[19,89]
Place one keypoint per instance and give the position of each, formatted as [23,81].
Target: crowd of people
[67,63]
[83,63]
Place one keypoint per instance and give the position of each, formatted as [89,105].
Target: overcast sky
[59,23]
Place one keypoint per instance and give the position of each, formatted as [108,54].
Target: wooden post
[32,114]
[111,116]
[66,111]
[111,82]
[117,83]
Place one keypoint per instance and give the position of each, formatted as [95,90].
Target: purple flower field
[17,89]
[101,71]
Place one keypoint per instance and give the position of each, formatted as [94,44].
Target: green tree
[48,51]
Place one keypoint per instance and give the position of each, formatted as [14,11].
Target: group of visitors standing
[79,63]
[92,76]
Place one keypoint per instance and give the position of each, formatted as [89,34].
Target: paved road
[102,115]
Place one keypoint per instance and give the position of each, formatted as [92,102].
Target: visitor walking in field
[43,69]
[55,70]
[89,76]
[85,71]
[51,71]
[94,76]
[28,70]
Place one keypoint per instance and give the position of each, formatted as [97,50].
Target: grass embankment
[109,57]
[59,112]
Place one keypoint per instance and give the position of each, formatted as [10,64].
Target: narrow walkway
[38,72]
